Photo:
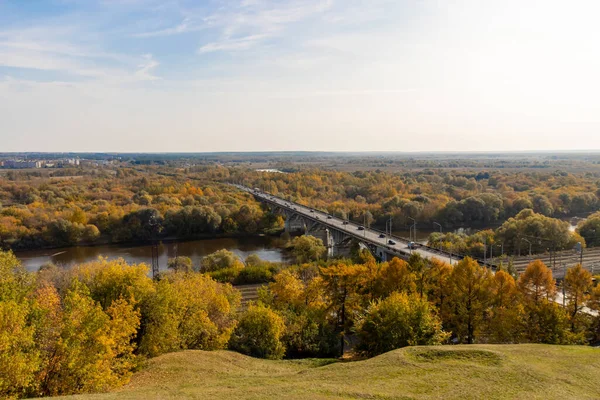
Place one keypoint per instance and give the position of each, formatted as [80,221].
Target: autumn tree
[258,333]
[440,287]
[506,313]
[469,299]
[578,283]
[342,284]
[397,321]
[394,276]
[308,248]
[536,283]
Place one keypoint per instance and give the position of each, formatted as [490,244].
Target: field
[449,372]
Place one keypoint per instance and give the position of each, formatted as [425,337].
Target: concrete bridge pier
[294,223]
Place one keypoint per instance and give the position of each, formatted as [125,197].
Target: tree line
[89,328]
[131,205]
[452,197]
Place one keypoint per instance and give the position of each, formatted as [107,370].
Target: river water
[267,248]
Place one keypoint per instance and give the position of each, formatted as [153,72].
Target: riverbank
[269,248]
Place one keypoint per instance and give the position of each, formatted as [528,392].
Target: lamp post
[386,227]
[415,228]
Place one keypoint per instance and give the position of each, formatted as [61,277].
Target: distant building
[19,164]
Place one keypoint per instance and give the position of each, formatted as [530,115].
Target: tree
[188,311]
[536,283]
[397,321]
[394,276]
[308,248]
[180,264]
[505,319]
[440,287]
[590,230]
[469,299]
[258,333]
[341,285]
[221,259]
[18,357]
[578,283]
[420,269]
[91,341]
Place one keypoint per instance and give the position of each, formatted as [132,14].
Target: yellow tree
[440,287]
[505,320]
[469,298]
[341,284]
[536,283]
[578,283]
[395,276]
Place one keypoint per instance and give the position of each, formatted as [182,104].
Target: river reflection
[267,248]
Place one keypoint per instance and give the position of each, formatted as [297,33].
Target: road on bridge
[368,235]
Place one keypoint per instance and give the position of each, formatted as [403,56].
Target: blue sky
[244,75]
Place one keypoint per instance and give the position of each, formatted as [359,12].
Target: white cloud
[255,21]
[144,71]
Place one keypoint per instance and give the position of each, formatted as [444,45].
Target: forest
[137,202]
[87,329]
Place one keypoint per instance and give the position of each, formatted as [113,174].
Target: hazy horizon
[150,76]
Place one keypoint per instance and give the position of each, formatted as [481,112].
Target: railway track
[558,262]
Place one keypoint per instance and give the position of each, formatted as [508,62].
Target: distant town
[20,163]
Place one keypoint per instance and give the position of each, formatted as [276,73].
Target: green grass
[443,372]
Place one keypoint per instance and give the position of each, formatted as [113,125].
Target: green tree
[259,333]
[221,259]
[397,321]
[308,248]
[590,230]
[180,264]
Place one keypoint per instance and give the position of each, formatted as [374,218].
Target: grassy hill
[449,372]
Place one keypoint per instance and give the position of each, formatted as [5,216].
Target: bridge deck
[368,235]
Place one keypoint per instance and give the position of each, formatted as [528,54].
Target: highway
[351,228]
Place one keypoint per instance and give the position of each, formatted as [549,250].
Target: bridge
[336,232]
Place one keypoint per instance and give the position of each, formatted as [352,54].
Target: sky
[317,75]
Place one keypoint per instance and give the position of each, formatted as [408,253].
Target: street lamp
[386,227]
[414,227]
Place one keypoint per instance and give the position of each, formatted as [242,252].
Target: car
[391,242]
[329,217]
[381,235]
[317,217]
[411,245]
[295,209]
[312,211]
[361,228]
[345,222]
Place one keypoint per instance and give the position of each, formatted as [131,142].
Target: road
[351,228]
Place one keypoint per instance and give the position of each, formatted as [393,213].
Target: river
[266,247]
